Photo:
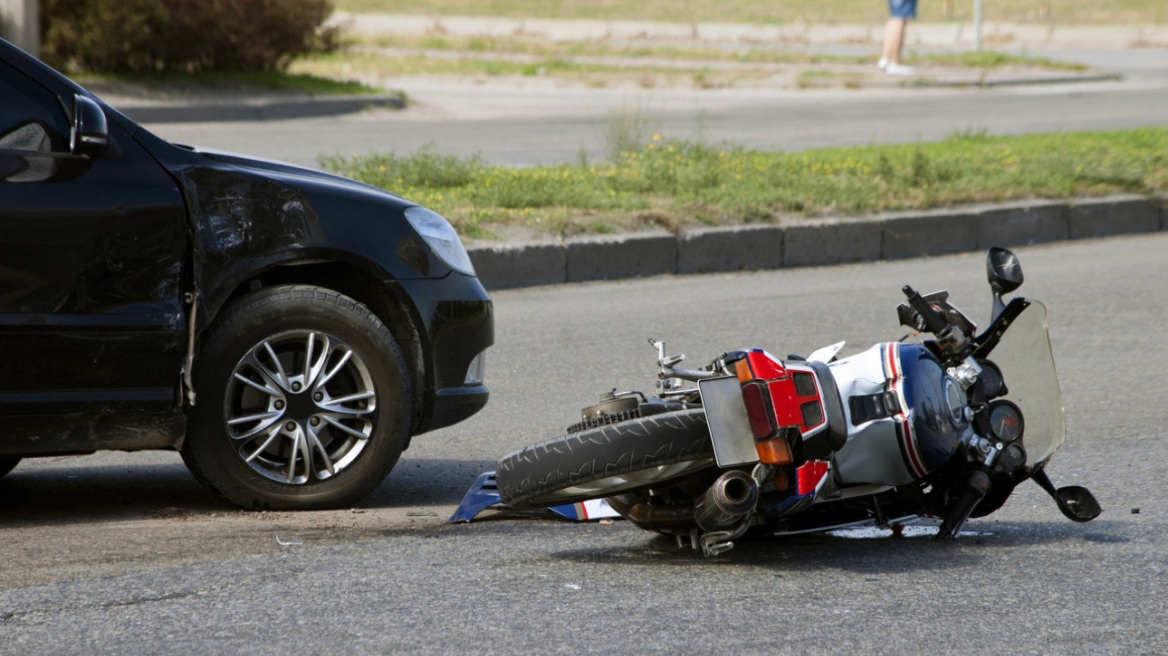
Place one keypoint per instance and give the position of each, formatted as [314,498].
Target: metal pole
[977,25]
[20,24]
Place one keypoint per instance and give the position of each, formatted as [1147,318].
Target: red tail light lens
[758,409]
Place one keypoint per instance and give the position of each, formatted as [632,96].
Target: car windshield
[1027,365]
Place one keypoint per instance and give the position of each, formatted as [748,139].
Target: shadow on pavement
[875,555]
[61,494]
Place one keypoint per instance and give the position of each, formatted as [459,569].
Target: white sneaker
[900,69]
[882,64]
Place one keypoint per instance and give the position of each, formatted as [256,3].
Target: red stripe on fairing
[911,449]
[904,429]
[891,370]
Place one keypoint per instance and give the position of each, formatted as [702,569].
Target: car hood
[281,169]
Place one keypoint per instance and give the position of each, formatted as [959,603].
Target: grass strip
[670,183]
[647,71]
[420,64]
[552,50]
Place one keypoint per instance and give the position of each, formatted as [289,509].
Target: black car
[288,331]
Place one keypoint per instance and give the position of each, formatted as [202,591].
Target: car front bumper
[459,321]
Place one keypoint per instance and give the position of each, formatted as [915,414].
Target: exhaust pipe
[731,497]
[653,518]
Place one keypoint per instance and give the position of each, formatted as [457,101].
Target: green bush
[183,36]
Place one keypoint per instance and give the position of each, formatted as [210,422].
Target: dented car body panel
[113,267]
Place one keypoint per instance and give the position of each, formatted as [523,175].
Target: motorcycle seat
[821,446]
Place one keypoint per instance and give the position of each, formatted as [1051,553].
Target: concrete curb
[621,256]
[814,242]
[1013,82]
[256,109]
[713,250]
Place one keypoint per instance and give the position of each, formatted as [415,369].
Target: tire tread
[603,452]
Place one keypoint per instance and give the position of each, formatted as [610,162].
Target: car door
[91,254]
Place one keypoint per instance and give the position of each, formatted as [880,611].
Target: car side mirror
[1005,275]
[90,135]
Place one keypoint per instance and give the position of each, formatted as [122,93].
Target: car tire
[7,464]
[303,401]
[607,460]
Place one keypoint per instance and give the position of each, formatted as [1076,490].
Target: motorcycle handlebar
[934,322]
[979,484]
[687,374]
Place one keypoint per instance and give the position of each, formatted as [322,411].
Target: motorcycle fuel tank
[905,415]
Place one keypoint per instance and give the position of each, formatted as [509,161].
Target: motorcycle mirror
[1076,502]
[1005,274]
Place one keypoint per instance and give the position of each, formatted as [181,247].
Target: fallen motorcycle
[902,431]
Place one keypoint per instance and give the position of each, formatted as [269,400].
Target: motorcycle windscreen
[1027,365]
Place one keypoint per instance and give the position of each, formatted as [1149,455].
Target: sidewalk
[186,104]
[955,36]
[150,105]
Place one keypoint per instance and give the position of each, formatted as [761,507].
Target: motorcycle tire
[607,460]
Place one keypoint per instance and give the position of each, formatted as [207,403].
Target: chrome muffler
[730,499]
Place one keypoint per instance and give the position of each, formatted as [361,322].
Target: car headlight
[441,237]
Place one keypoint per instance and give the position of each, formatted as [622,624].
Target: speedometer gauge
[1006,421]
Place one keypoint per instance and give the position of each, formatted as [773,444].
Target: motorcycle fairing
[917,436]
[483,494]
[810,479]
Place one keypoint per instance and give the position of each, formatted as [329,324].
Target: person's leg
[900,12]
[894,39]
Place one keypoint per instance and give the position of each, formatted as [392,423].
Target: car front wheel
[302,401]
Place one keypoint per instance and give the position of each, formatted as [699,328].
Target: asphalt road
[540,121]
[124,553]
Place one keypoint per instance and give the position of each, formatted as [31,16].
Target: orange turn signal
[744,375]
[774,451]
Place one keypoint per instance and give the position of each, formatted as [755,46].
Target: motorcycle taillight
[771,443]
[758,409]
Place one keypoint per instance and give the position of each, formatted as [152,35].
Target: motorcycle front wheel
[606,461]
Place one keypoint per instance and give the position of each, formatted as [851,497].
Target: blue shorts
[902,8]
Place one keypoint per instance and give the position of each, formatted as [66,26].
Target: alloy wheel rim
[300,407]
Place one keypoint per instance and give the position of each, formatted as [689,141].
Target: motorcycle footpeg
[716,543]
